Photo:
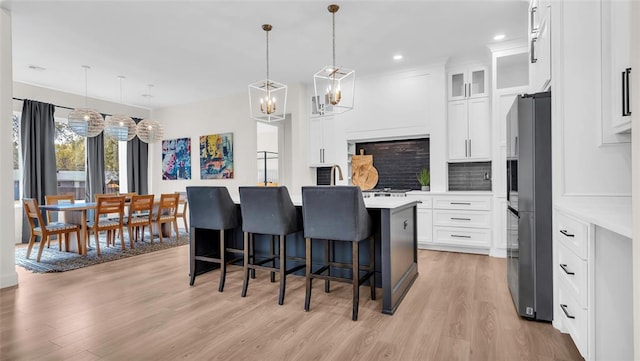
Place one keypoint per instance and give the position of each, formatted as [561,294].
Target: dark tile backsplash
[323,176]
[469,176]
[398,161]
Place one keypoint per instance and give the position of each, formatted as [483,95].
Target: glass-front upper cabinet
[468,82]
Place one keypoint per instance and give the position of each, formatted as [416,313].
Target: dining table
[76,208]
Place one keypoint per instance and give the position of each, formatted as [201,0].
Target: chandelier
[267,98]
[120,127]
[148,130]
[84,121]
[334,85]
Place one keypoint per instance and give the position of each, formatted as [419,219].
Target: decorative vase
[424,188]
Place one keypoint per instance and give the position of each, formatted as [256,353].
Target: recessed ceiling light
[37,68]
[498,37]
[397,57]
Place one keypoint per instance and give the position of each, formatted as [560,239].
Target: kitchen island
[394,222]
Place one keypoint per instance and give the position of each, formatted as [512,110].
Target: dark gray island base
[395,238]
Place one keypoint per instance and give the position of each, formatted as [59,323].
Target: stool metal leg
[245,282]
[283,268]
[223,261]
[253,254]
[372,265]
[192,265]
[271,255]
[307,297]
[356,281]
[328,259]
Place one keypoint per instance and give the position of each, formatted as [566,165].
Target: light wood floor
[142,308]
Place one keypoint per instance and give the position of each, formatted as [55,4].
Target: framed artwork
[176,159]
[216,156]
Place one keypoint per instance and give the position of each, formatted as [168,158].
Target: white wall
[8,275]
[400,104]
[229,115]
[583,167]
[635,56]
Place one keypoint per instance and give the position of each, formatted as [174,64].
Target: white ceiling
[194,50]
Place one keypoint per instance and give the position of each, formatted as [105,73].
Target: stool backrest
[268,210]
[336,213]
[211,208]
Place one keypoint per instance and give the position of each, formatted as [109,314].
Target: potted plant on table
[424,177]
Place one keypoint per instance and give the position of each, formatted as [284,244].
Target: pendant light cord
[86,68]
[267,58]
[333,17]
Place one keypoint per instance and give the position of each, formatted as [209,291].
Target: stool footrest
[318,274]
[207,259]
[234,250]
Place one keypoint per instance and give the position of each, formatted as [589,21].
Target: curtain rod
[57,106]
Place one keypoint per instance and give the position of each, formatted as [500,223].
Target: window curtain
[95,167]
[37,135]
[137,165]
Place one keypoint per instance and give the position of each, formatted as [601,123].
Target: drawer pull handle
[460,219]
[461,203]
[564,268]
[566,233]
[564,309]
[459,236]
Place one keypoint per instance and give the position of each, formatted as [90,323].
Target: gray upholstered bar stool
[212,208]
[338,214]
[268,211]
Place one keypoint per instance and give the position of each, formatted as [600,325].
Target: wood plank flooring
[142,308]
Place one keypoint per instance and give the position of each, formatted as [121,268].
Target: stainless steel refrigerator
[529,206]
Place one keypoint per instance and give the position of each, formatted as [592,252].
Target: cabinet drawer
[467,237]
[573,271]
[427,201]
[455,218]
[476,203]
[572,233]
[574,318]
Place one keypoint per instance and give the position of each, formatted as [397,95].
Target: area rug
[58,261]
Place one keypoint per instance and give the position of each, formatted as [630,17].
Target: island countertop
[370,203]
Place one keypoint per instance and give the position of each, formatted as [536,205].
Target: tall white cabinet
[468,114]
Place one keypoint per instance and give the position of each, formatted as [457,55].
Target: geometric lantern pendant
[334,85]
[334,90]
[267,98]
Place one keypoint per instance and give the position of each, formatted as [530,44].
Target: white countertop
[612,213]
[452,193]
[373,202]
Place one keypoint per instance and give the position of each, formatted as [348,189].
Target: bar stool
[338,214]
[212,208]
[269,211]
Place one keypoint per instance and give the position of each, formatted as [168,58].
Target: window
[70,160]
[111,165]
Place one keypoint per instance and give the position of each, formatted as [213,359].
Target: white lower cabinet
[593,288]
[454,222]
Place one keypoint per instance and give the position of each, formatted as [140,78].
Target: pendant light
[120,127]
[334,85]
[149,131]
[84,121]
[267,98]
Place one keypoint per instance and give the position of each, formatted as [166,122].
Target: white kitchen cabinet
[616,65]
[540,45]
[469,129]
[593,283]
[462,223]
[425,217]
[468,82]
[322,152]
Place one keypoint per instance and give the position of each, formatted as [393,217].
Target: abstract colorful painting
[176,159]
[216,156]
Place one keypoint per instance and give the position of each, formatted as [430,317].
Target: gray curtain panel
[137,164]
[37,135]
[95,167]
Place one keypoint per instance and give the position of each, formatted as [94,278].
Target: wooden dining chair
[167,210]
[138,216]
[55,199]
[106,206]
[182,209]
[43,230]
